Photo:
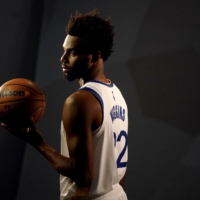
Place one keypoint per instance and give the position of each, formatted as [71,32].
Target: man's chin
[69,78]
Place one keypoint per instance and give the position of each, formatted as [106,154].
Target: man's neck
[96,72]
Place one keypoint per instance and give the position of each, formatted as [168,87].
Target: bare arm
[35,138]
[79,115]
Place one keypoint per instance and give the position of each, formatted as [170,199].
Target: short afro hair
[96,33]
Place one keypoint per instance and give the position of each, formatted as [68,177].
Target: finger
[6,127]
[32,124]
[25,130]
[32,120]
[28,129]
[12,131]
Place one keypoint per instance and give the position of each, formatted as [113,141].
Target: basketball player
[94,126]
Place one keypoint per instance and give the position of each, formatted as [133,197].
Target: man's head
[96,33]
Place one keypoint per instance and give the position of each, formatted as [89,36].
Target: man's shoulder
[81,97]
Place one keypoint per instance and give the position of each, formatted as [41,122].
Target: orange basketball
[21,99]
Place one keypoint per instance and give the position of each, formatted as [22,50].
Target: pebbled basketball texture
[21,99]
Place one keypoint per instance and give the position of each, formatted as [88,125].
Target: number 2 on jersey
[119,163]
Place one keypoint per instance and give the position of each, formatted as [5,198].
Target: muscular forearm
[64,165]
[60,163]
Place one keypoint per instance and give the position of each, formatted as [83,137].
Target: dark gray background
[155,64]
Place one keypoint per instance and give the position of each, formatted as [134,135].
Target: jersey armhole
[100,101]
[95,94]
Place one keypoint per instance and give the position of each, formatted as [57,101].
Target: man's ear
[96,56]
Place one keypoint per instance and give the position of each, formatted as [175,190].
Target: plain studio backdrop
[156,65]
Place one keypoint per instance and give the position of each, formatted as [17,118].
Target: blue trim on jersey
[108,85]
[95,94]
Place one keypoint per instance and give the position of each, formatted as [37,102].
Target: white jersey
[110,143]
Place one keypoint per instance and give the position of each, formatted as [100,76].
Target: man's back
[109,141]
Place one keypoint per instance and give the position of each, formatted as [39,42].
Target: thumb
[6,127]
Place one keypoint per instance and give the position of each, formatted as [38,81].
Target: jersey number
[118,139]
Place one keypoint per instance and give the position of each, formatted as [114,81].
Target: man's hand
[29,134]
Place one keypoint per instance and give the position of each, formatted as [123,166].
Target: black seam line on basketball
[39,113]
[28,88]
[37,108]
[22,100]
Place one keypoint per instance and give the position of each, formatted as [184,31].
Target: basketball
[21,99]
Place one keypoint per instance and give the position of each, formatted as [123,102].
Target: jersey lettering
[117,112]
[113,96]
